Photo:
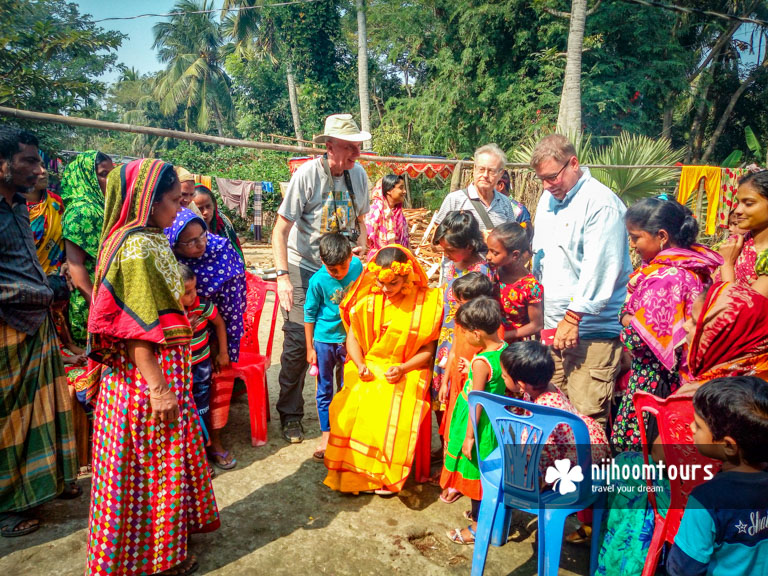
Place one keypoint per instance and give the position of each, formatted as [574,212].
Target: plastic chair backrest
[674,416]
[256,295]
[522,433]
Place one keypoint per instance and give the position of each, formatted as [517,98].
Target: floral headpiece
[388,274]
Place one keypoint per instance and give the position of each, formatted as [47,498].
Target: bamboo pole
[303,150]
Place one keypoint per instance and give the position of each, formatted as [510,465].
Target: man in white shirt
[581,256]
[319,200]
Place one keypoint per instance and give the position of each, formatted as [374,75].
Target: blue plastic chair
[510,479]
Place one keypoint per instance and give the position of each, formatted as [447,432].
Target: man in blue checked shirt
[581,256]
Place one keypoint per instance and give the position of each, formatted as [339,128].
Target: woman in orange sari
[393,321]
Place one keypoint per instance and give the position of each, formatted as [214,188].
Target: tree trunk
[362,70]
[569,116]
[294,100]
[666,130]
[727,113]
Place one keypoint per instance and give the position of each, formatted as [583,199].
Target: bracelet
[156,396]
[573,315]
[567,321]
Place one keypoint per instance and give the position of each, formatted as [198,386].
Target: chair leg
[256,409]
[489,509]
[501,522]
[550,530]
[597,524]
[654,549]
[266,398]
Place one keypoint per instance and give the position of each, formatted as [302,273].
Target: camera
[351,235]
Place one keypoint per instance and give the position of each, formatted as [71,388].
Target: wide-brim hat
[342,127]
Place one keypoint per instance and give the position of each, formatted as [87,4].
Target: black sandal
[9,522]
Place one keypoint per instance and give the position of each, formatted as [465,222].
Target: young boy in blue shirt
[724,530]
[322,322]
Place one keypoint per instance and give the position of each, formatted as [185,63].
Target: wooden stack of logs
[421,233]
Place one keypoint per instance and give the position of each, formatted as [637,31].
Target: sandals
[456,537]
[219,460]
[319,456]
[468,515]
[10,521]
[72,491]
[383,492]
[189,566]
[582,535]
[453,495]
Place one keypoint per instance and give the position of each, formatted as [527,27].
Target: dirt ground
[278,518]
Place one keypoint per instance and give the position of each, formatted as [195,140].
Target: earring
[152,211]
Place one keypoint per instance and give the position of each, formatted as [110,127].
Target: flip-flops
[468,515]
[182,569]
[224,456]
[9,522]
[456,537]
[582,535]
[319,456]
[453,495]
[71,492]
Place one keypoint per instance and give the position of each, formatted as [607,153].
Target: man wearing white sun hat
[326,194]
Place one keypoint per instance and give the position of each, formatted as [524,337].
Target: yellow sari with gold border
[375,424]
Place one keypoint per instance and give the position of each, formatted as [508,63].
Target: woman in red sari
[151,487]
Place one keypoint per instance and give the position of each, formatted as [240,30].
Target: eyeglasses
[486,170]
[199,241]
[553,177]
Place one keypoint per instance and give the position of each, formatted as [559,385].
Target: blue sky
[136,50]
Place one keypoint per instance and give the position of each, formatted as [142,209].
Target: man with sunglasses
[581,256]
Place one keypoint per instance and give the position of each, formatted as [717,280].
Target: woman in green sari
[82,189]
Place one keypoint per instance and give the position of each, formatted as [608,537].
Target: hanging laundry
[235,194]
[204,180]
[728,187]
[690,176]
[267,189]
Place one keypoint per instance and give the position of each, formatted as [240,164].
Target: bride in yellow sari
[393,321]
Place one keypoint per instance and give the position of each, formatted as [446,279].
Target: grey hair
[494,150]
[554,146]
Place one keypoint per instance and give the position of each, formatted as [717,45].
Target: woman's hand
[731,249]
[626,319]
[394,374]
[76,360]
[195,322]
[466,448]
[442,394]
[463,365]
[165,406]
[364,373]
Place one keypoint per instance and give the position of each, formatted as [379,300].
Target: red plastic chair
[674,416]
[253,365]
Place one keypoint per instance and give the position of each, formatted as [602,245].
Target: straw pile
[429,257]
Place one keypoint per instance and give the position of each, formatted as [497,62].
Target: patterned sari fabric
[221,226]
[661,295]
[151,487]
[375,424]
[45,221]
[731,337]
[220,277]
[81,225]
[37,439]
[385,225]
[448,335]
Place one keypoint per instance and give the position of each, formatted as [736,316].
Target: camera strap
[350,191]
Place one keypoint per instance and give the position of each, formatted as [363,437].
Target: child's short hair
[481,313]
[530,362]
[472,285]
[460,230]
[512,236]
[187,274]
[334,249]
[737,406]
[387,256]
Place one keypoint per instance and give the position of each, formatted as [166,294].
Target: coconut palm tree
[194,79]
[255,36]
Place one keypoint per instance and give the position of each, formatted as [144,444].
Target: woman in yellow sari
[393,321]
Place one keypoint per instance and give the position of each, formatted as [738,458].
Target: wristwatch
[279,273]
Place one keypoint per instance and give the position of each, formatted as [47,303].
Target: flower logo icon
[563,476]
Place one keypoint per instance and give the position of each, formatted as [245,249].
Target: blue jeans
[329,358]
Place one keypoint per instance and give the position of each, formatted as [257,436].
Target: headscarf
[220,277]
[137,285]
[731,336]
[385,225]
[83,203]
[661,295]
[45,221]
[220,224]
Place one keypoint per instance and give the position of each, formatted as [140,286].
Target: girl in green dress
[479,320]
